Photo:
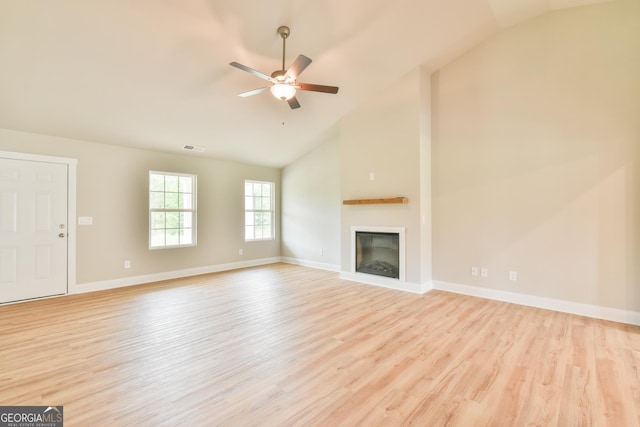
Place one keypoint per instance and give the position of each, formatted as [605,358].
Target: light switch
[85,220]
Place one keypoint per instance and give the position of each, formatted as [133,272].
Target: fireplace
[378,251]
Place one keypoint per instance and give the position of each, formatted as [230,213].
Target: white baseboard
[312,264]
[370,279]
[176,274]
[367,279]
[594,311]
[587,310]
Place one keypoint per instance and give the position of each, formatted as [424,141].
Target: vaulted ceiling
[155,74]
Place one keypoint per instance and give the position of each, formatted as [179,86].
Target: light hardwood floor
[286,345]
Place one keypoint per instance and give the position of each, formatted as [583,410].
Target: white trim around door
[71,205]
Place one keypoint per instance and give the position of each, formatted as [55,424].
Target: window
[172,210]
[258,210]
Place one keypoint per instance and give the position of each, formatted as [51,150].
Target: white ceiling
[154,74]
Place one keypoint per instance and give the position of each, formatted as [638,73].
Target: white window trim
[194,210]
[272,210]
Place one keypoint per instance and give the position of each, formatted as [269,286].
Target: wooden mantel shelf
[375,201]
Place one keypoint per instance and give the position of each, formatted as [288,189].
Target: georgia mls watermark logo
[31,416]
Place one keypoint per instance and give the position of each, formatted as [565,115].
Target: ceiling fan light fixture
[283,91]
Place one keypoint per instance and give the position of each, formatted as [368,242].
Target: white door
[33,229]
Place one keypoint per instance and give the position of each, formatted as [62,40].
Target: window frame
[193,210]
[271,210]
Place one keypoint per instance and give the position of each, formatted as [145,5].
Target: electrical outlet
[321,252]
[127,263]
[484,272]
[474,271]
[240,252]
[513,276]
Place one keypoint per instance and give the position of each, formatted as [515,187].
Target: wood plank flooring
[285,345]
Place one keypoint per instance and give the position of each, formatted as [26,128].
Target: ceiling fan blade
[293,103]
[298,67]
[317,88]
[251,71]
[253,92]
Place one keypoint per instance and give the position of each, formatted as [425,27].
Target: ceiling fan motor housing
[279,74]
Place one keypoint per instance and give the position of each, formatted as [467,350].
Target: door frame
[72,165]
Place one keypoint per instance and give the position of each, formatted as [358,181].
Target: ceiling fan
[284,83]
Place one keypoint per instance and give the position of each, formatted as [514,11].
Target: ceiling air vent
[196,148]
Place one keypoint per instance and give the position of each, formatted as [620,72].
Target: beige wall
[388,136]
[311,206]
[383,137]
[536,156]
[112,187]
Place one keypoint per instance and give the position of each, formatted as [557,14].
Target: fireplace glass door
[378,253]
